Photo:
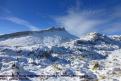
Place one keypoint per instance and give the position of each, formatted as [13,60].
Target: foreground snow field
[56,55]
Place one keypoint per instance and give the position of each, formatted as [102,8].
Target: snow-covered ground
[56,55]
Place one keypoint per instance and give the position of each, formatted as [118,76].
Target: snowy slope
[50,37]
[93,57]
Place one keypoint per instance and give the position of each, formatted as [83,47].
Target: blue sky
[77,16]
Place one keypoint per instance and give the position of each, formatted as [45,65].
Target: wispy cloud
[22,22]
[6,10]
[7,16]
[80,21]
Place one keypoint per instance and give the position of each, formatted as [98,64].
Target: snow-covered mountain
[51,36]
[56,55]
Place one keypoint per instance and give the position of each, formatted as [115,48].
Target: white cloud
[77,22]
[23,22]
[5,10]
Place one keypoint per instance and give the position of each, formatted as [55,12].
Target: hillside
[51,36]
[62,56]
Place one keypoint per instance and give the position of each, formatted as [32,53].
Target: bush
[96,66]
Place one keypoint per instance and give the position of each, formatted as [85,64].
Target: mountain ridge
[31,32]
[93,57]
[50,35]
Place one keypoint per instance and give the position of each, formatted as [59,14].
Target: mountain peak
[95,34]
[49,37]
[26,33]
[92,36]
[57,28]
